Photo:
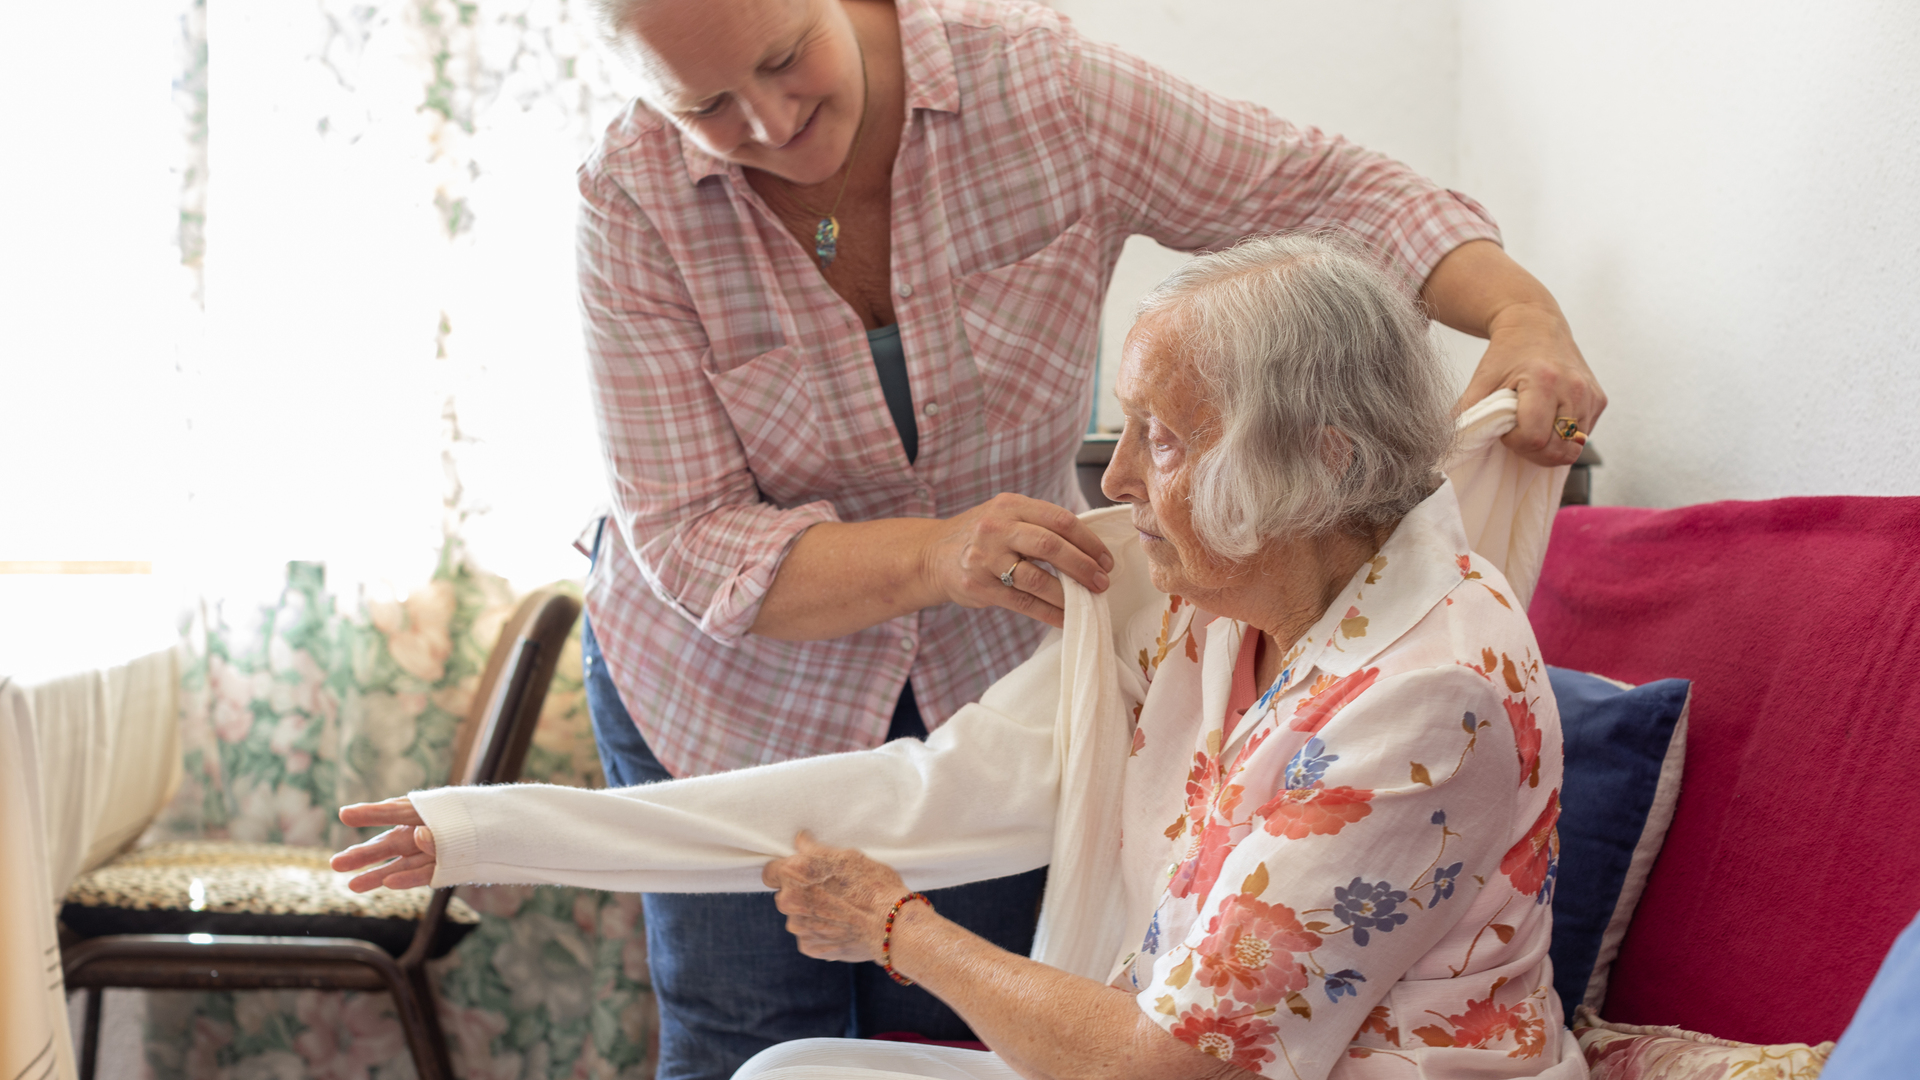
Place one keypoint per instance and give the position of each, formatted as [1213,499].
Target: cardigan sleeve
[975,801]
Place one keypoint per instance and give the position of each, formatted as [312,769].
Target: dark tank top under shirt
[890,361]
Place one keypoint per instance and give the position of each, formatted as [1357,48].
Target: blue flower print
[1443,882]
[1152,942]
[1267,698]
[1545,895]
[1439,817]
[1365,906]
[1309,766]
[1341,982]
[1469,721]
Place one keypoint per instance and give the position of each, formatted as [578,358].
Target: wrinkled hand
[965,560]
[835,899]
[1532,352]
[405,852]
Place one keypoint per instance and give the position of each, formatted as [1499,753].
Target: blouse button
[905,290]
[932,408]
[906,644]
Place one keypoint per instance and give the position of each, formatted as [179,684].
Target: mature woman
[841,269]
[1336,800]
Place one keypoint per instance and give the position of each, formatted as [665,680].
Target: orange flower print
[1250,951]
[1201,868]
[1241,1041]
[1526,739]
[1313,712]
[1484,1024]
[1531,863]
[1297,813]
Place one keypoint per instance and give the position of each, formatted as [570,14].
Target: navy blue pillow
[1616,742]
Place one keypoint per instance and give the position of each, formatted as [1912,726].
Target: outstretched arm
[975,801]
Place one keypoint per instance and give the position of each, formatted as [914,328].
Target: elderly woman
[841,269]
[1323,734]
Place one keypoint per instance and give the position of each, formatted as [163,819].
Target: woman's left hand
[835,899]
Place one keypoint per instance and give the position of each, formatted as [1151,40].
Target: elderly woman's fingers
[408,873]
[398,811]
[401,858]
[835,899]
[395,843]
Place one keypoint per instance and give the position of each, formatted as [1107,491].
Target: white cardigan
[1028,776]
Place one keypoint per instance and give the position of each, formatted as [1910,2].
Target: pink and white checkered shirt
[736,395]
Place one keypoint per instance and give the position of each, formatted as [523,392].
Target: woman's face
[1152,464]
[768,84]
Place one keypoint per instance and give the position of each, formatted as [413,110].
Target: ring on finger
[1568,428]
[1007,578]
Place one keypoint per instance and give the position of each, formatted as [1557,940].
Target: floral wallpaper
[294,708]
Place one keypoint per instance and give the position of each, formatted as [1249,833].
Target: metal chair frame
[490,748]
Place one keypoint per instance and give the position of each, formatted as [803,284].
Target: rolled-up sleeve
[1195,170]
[684,499]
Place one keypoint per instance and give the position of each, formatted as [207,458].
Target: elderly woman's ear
[1336,450]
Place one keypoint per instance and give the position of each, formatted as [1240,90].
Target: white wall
[1383,72]
[1726,199]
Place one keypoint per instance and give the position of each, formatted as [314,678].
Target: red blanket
[1794,856]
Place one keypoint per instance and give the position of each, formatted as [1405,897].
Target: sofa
[1792,859]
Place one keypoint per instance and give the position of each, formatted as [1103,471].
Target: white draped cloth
[86,762]
[1029,776]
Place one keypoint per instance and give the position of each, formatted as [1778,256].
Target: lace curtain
[304,338]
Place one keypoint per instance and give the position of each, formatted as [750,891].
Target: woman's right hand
[405,853]
[968,553]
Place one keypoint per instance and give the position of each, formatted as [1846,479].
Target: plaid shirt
[736,396]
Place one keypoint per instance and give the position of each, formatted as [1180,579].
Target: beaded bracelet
[886,942]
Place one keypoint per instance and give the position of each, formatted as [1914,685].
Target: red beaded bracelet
[886,942]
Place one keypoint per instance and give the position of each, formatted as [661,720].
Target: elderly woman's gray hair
[1298,337]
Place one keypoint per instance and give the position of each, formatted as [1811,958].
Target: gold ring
[1568,428]
[1007,578]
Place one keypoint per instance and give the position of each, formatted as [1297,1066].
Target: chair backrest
[492,743]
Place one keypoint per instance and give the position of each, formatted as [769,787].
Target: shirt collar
[1425,559]
[931,82]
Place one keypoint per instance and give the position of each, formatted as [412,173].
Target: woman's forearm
[1046,1023]
[840,577]
[843,577]
[1478,283]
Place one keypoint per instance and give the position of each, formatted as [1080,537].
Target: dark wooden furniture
[1097,450]
[490,748]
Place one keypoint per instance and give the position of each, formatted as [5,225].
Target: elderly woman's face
[1152,464]
[770,84]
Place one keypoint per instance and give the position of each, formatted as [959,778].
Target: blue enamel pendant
[826,240]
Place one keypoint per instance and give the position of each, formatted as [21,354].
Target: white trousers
[872,1059]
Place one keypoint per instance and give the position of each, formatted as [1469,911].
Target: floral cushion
[1638,1052]
[225,887]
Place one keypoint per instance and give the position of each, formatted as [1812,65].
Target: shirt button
[906,644]
[932,408]
[905,290]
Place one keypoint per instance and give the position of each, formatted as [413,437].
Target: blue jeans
[730,980]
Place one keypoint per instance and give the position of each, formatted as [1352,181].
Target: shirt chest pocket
[770,401]
[1032,326]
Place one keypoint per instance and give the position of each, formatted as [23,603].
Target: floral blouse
[1357,871]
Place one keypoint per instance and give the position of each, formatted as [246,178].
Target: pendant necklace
[826,235]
